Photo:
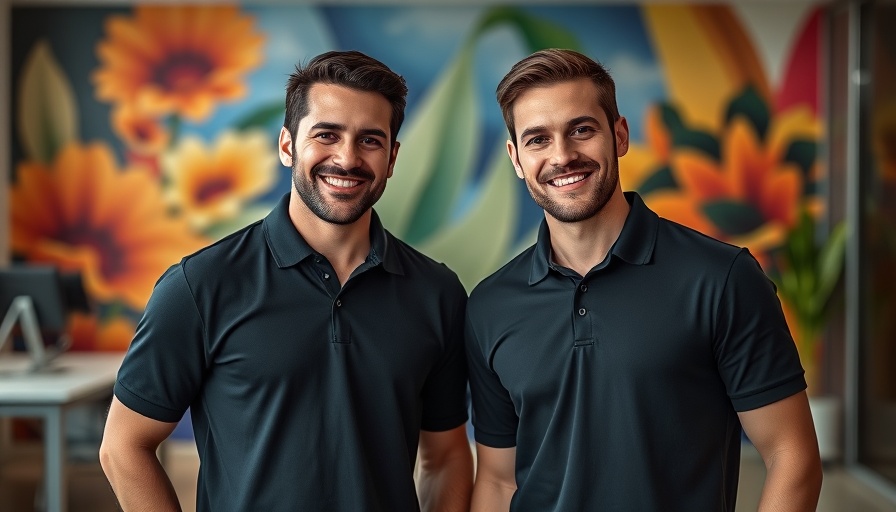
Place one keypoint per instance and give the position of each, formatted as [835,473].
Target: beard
[343,208]
[575,209]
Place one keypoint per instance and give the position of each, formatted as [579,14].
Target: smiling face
[567,150]
[342,153]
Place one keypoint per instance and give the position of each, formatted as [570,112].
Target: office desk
[72,378]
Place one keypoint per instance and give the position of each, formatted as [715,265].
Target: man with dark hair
[614,364]
[318,354]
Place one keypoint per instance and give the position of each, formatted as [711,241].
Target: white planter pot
[828,419]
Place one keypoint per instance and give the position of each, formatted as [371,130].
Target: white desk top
[70,377]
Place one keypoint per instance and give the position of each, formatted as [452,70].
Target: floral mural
[142,134]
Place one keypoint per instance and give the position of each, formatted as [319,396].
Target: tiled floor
[89,491]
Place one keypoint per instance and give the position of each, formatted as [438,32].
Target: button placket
[582,329]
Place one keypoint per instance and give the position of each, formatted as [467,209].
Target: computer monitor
[39,299]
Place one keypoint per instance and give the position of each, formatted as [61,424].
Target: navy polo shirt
[620,389]
[304,395]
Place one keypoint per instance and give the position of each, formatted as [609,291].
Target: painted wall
[141,134]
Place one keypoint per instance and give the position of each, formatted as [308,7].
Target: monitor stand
[21,310]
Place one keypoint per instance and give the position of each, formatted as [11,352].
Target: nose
[347,156]
[563,153]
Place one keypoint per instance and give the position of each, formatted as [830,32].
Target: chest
[605,334]
[301,333]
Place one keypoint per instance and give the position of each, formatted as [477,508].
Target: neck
[582,245]
[345,246]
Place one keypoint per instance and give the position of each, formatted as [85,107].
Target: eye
[371,141]
[538,140]
[326,136]
[583,130]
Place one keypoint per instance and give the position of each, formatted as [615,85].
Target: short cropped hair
[549,67]
[351,69]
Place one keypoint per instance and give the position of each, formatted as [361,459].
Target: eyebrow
[572,122]
[336,127]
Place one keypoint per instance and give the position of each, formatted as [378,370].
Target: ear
[284,147]
[621,127]
[393,157]
[514,159]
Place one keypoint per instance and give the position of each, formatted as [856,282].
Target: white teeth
[567,180]
[337,182]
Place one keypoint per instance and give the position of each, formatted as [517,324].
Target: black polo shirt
[303,395]
[619,389]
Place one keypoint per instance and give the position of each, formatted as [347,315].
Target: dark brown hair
[548,67]
[350,69]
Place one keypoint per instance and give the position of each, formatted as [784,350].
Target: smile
[568,180]
[340,182]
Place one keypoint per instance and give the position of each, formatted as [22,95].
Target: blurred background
[133,134]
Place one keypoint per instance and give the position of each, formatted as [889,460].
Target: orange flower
[83,214]
[141,132]
[213,184]
[177,59]
[750,173]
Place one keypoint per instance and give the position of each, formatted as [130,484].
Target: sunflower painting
[143,133]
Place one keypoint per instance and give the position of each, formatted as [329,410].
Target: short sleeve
[163,369]
[495,420]
[757,357]
[445,391]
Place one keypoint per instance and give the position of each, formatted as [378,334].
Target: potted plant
[808,267]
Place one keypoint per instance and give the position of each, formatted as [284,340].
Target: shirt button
[338,303]
[584,287]
[581,311]
[326,276]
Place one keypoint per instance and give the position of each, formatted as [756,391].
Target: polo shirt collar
[289,248]
[634,245]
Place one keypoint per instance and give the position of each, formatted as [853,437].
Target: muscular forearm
[791,485]
[447,488]
[138,480]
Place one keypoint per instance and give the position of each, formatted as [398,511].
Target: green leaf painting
[436,156]
[480,242]
[536,32]
[750,105]
[46,115]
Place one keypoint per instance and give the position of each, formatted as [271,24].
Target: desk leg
[55,481]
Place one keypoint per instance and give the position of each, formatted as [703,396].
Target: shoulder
[227,255]
[692,249]
[705,259]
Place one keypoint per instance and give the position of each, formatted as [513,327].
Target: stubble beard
[347,208]
[578,210]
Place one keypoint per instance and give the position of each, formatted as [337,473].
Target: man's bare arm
[495,479]
[784,435]
[128,457]
[446,471]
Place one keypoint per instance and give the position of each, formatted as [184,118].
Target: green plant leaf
[47,113]
[830,262]
[479,243]
[733,217]
[808,270]
[436,155]
[750,105]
